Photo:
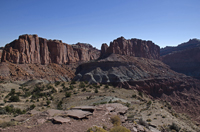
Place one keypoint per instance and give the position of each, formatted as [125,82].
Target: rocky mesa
[31,49]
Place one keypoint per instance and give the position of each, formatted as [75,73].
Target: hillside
[184,58]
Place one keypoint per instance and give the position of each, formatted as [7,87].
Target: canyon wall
[31,49]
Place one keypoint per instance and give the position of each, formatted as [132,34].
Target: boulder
[78,114]
[60,120]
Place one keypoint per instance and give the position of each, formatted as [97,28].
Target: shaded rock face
[184,58]
[32,49]
[192,43]
[1,50]
[133,47]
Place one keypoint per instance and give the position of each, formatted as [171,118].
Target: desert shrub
[105,102]
[174,127]
[67,94]
[57,83]
[32,106]
[134,96]
[82,85]
[140,93]
[115,120]
[71,87]
[127,104]
[84,89]
[73,82]
[106,86]
[49,86]
[148,120]
[142,122]
[96,91]
[59,105]
[14,98]
[149,103]
[96,129]
[53,90]
[27,94]
[2,111]
[48,102]
[8,124]
[12,92]
[119,129]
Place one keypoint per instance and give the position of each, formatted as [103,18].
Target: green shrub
[8,124]
[32,106]
[134,96]
[14,98]
[148,120]
[2,111]
[73,82]
[84,89]
[59,105]
[141,94]
[48,102]
[106,86]
[115,120]
[96,129]
[27,94]
[119,129]
[67,94]
[149,103]
[127,104]
[175,127]
[57,83]
[82,85]
[96,91]
[12,92]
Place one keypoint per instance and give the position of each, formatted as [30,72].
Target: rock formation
[1,50]
[132,47]
[192,43]
[184,58]
[30,49]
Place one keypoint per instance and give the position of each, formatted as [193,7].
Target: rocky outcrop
[1,50]
[184,58]
[132,47]
[30,49]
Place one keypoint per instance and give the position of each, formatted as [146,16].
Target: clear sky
[165,22]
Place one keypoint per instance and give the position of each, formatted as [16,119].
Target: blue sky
[165,22]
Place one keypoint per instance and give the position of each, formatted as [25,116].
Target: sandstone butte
[131,47]
[31,49]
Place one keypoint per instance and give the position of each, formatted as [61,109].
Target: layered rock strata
[31,49]
[132,47]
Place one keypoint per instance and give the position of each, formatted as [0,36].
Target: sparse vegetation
[115,120]
[68,94]
[14,98]
[119,129]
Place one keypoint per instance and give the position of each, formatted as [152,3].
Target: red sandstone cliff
[33,49]
[132,47]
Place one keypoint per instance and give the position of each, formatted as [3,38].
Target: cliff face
[132,47]
[184,58]
[32,49]
[192,43]
[1,50]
